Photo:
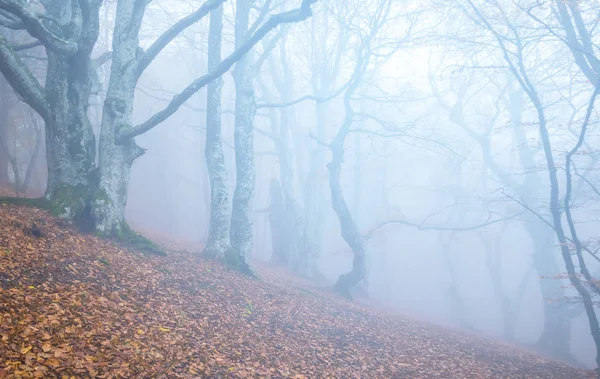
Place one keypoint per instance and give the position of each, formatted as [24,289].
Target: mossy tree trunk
[63,101]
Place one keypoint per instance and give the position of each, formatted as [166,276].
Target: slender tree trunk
[384,209]
[454,295]
[556,333]
[5,92]
[313,202]
[350,232]
[23,187]
[293,219]
[219,227]
[279,228]
[245,110]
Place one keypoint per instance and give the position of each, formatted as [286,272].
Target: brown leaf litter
[79,306]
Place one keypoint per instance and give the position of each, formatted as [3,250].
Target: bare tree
[512,49]
[348,227]
[76,188]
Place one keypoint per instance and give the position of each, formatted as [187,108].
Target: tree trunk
[349,229]
[313,203]
[116,157]
[245,110]
[279,227]
[115,161]
[293,219]
[70,142]
[219,228]
[556,334]
[555,337]
[4,132]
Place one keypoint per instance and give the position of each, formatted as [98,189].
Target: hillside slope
[79,306]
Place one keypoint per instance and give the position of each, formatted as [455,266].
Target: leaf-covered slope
[73,305]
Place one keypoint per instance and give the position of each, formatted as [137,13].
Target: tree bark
[5,126]
[219,227]
[70,141]
[348,226]
[116,157]
[556,333]
[245,110]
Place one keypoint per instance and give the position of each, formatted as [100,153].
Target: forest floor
[78,306]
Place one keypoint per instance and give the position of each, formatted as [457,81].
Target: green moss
[100,194]
[39,202]
[136,241]
[233,260]
[104,261]
[69,201]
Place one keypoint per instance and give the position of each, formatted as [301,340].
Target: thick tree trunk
[116,157]
[219,228]
[245,110]
[110,198]
[70,142]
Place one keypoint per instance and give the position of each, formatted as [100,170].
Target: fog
[444,170]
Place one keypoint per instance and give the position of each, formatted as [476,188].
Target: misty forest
[299,188]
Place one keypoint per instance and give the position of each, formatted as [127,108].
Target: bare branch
[26,46]
[304,98]
[421,226]
[168,36]
[102,59]
[37,29]
[22,79]
[263,13]
[296,15]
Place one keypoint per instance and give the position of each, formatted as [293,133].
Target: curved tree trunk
[347,224]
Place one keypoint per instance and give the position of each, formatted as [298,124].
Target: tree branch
[36,28]
[263,13]
[296,15]
[304,98]
[22,79]
[26,46]
[102,59]
[421,226]
[168,36]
